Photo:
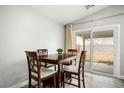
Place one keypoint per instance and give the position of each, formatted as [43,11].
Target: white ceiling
[66,13]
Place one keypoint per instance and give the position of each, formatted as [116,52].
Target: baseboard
[22,84]
[121,77]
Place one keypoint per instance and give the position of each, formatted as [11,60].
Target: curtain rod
[98,19]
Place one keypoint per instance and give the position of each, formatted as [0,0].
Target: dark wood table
[57,59]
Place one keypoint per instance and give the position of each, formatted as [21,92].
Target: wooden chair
[37,73]
[44,53]
[75,70]
[71,52]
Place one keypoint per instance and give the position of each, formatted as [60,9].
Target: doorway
[101,47]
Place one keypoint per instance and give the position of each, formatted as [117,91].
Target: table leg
[59,77]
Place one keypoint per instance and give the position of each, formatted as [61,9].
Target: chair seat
[72,69]
[45,72]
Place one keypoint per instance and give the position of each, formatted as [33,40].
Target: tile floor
[98,81]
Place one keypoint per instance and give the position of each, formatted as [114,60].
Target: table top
[57,58]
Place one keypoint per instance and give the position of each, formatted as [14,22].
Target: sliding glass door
[100,50]
[103,50]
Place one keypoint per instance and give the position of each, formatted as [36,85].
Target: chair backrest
[82,61]
[33,63]
[72,52]
[42,52]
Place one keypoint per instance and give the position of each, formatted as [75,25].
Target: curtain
[69,36]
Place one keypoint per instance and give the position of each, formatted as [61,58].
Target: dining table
[57,59]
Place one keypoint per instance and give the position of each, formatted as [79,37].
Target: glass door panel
[103,49]
[83,42]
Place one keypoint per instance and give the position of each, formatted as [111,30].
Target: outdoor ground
[100,67]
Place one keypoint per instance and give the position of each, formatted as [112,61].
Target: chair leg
[29,82]
[54,80]
[84,83]
[43,84]
[75,62]
[55,67]
[70,78]
[83,80]
[79,81]
[46,65]
[39,84]
[63,80]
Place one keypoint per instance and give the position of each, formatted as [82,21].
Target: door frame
[116,34]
